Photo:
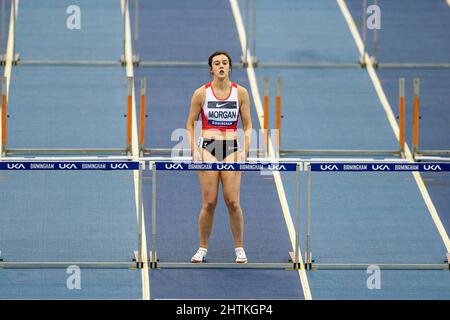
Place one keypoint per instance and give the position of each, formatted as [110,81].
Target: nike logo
[221,105]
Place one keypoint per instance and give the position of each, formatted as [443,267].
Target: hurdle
[126,151]
[423,154]
[136,257]
[155,165]
[326,152]
[364,166]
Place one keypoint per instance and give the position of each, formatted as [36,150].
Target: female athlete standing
[220,103]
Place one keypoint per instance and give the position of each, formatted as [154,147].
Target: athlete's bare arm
[197,101]
[244,106]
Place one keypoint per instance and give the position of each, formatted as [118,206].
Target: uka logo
[67,166]
[225,167]
[174,166]
[116,166]
[276,167]
[432,167]
[16,166]
[329,167]
[380,167]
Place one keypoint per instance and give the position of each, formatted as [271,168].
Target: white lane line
[392,121]
[259,110]
[135,152]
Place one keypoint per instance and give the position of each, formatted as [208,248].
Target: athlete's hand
[197,157]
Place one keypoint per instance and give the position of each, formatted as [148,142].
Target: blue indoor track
[69,90]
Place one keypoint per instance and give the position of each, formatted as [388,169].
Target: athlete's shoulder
[240,88]
[199,95]
[242,91]
[200,91]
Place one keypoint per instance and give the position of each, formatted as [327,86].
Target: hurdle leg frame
[297,219]
[143,102]
[4,115]
[401,115]
[266,116]
[153,258]
[139,254]
[308,255]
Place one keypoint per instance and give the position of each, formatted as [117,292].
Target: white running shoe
[199,256]
[240,255]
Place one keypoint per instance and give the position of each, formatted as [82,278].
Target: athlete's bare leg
[209,182]
[231,185]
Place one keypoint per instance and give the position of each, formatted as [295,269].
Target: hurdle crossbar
[295,65]
[364,166]
[68,63]
[33,151]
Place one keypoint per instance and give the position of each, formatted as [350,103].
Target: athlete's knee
[209,205]
[233,205]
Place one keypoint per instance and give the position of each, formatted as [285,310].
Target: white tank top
[220,114]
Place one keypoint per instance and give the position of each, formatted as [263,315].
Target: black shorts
[219,148]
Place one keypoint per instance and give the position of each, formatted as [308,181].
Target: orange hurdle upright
[266,115]
[142,118]
[278,117]
[416,116]
[4,115]
[129,110]
[402,114]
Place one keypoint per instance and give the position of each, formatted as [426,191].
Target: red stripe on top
[212,90]
[206,125]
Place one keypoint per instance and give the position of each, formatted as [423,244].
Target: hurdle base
[245,63]
[153,262]
[137,260]
[136,60]
[225,265]
[384,266]
[16,59]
